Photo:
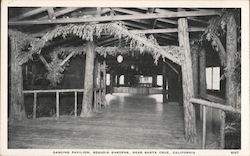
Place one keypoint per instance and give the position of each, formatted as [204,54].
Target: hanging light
[119,58]
[132,67]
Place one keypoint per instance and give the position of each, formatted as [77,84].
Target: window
[145,79]
[108,79]
[159,80]
[121,80]
[213,78]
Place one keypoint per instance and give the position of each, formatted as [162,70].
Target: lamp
[119,58]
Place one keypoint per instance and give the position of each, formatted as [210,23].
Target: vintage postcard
[124,78]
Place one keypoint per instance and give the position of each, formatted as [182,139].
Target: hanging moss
[137,42]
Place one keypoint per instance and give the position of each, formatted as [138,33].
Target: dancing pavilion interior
[124,78]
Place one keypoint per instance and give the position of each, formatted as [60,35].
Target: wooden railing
[57,91]
[213,104]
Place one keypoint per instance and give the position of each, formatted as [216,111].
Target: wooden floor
[129,122]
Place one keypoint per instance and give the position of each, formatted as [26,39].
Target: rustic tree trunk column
[195,63]
[194,54]
[96,84]
[231,88]
[104,83]
[88,81]
[202,75]
[187,81]
[17,109]
[164,84]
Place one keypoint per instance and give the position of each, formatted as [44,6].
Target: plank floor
[129,122]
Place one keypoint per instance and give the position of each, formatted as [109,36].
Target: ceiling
[162,23]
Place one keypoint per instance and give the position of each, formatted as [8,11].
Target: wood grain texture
[17,110]
[88,81]
[231,40]
[187,81]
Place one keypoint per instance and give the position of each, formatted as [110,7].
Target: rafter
[170,30]
[29,14]
[137,13]
[119,17]
[62,12]
[51,13]
[175,22]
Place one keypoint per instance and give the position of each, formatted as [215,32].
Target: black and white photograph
[124,80]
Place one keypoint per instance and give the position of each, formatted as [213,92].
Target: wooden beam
[202,76]
[17,109]
[29,14]
[67,58]
[145,31]
[62,12]
[215,105]
[194,55]
[119,18]
[169,30]
[75,107]
[175,22]
[231,40]
[51,13]
[57,104]
[163,20]
[204,123]
[72,9]
[88,81]
[222,129]
[172,67]
[164,84]
[187,81]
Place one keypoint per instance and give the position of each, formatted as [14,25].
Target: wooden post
[187,81]
[204,127]
[104,83]
[104,77]
[99,94]
[194,54]
[75,112]
[154,84]
[34,105]
[231,40]
[17,108]
[202,75]
[57,105]
[88,81]
[222,129]
[96,84]
[164,84]
[112,82]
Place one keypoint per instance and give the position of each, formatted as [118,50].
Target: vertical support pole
[202,75]
[17,108]
[194,54]
[34,105]
[231,40]
[75,104]
[187,81]
[154,84]
[104,77]
[204,127]
[112,82]
[164,84]
[88,81]
[57,105]
[222,129]
[95,100]
[99,95]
